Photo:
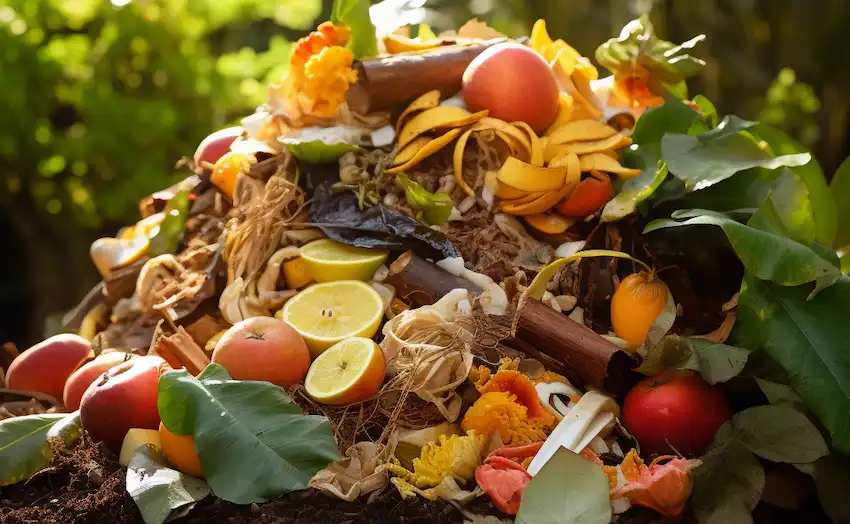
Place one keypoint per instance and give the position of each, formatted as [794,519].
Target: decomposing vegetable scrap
[403,272]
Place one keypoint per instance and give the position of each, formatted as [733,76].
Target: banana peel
[531,178]
[536,148]
[506,192]
[94,322]
[565,112]
[543,201]
[554,151]
[410,150]
[517,139]
[437,117]
[429,100]
[603,162]
[457,161]
[427,150]
[396,44]
[579,131]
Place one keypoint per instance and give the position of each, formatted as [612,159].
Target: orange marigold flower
[500,411]
[521,387]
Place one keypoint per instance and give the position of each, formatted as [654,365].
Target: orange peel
[435,118]
[603,162]
[580,130]
[429,149]
[429,100]
[531,178]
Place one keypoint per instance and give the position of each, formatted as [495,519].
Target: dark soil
[86,486]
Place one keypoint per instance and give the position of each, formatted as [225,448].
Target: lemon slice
[328,260]
[325,314]
[348,372]
[111,253]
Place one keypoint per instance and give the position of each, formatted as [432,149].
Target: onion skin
[636,303]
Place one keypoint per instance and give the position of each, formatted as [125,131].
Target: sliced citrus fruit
[329,260]
[325,314]
[347,372]
[111,253]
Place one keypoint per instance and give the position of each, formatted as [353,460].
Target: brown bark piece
[180,351]
[589,360]
[388,82]
[419,282]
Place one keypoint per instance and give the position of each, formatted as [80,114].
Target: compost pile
[456,278]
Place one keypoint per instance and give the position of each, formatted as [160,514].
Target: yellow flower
[455,456]
[500,411]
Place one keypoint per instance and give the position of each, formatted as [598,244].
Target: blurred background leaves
[100,99]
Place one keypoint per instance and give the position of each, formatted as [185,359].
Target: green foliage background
[98,101]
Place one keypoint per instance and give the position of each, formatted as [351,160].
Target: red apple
[81,379]
[124,397]
[675,406]
[47,365]
[263,348]
[514,83]
[215,146]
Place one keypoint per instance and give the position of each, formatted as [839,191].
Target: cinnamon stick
[180,350]
[419,282]
[589,360]
[385,83]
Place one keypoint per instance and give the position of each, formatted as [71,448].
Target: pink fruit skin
[215,146]
[124,397]
[81,379]
[514,83]
[47,365]
[678,406]
[263,348]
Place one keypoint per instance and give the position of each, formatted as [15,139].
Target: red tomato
[590,195]
[675,406]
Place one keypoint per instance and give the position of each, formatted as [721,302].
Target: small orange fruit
[180,452]
[636,303]
[347,372]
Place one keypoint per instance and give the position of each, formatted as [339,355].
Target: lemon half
[347,372]
[327,313]
[329,260]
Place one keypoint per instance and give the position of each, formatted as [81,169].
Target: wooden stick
[419,282]
[385,83]
[589,359]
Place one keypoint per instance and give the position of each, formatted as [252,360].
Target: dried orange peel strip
[410,150]
[531,178]
[579,130]
[429,100]
[603,162]
[429,149]
[437,117]
[536,148]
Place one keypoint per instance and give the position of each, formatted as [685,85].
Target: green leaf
[709,112]
[779,434]
[160,492]
[671,117]
[833,484]
[700,164]
[633,192]
[435,207]
[806,337]
[24,446]
[171,229]
[731,125]
[568,490]
[317,151]
[766,254]
[715,362]
[811,173]
[729,483]
[779,394]
[253,442]
[355,14]
[840,188]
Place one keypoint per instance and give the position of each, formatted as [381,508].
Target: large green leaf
[715,362]
[161,493]
[355,14]
[24,443]
[728,485]
[769,255]
[671,117]
[253,442]
[634,191]
[701,163]
[779,434]
[840,187]
[811,173]
[809,339]
[568,490]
